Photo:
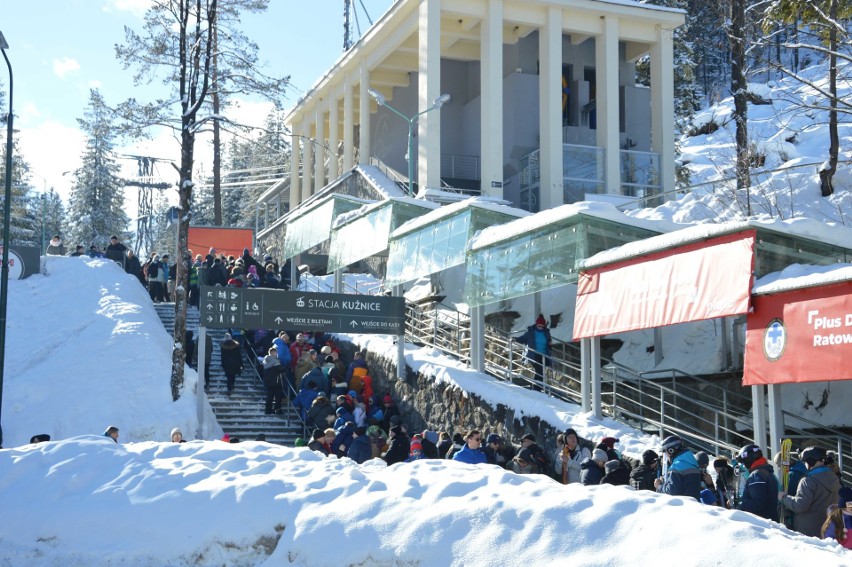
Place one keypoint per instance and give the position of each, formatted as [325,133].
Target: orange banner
[227,241]
[697,281]
[800,336]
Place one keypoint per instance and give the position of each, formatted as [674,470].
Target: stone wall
[424,404]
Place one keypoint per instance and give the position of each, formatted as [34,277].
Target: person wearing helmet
[682,477]
[760,495]
[815,493]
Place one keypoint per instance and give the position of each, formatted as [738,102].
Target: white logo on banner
[774,340]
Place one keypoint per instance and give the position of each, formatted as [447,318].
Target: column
[295,151]
[429,88]
[585,372]
[550,109]
[348,122]
[364,115]
[333,118]
[662,106]
[491,80]
[595,356]
[319,154]
[307,172]
[776,419]
[758,412]
[397,291]
[606,63]
[477,338]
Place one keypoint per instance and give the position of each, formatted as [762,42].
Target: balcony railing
[583,174]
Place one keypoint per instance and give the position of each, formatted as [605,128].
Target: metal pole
[7,214]
[43,206]
[411,156]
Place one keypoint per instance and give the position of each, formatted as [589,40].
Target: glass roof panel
[313,227]
[541,259]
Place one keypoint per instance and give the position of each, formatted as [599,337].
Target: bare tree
[176,38]
[824,21]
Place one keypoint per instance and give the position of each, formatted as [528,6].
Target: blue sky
[59,49]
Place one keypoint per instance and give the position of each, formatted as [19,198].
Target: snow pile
[87,501]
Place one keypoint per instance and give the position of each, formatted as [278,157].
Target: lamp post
[436,104]
[7,214]
[43,207]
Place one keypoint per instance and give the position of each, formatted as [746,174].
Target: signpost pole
[397,291]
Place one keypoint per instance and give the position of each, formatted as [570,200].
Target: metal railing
[460,167]
[708,415]
[288,390]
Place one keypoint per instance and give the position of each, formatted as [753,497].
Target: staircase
[242,414]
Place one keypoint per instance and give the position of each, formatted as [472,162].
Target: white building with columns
[545,106]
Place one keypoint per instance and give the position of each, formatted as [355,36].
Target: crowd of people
[158,272]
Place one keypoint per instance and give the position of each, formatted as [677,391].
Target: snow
[826,233]
[367,209]
[486,203]
[380,181]
[606,211]
[102,357]
[798,276]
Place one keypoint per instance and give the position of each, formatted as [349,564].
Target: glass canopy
[439,240]
[541,258]
[774,251]
[306,229]
[366,233]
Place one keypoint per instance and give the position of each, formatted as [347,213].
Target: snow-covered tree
[96,207]
[22,226]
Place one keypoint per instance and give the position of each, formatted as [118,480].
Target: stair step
[242,413]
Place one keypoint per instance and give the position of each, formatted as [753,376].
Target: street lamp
[436,104]
[7,214]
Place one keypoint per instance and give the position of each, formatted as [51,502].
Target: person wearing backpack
[760,496]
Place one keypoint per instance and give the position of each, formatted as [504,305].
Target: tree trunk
[217,144]
[826,176]
[739,88]
[185,194]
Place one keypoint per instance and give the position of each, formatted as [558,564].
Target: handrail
[645,403]
[288,390]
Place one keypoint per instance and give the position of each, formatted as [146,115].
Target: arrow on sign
[209,306]
[278,320]
[353,324]
[209,318]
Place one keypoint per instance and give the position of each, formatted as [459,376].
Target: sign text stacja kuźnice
[258,308]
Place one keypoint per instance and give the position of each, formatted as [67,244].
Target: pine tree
[96,206]
[22,226]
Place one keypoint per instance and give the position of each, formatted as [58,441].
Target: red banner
[702,280]
[800,336]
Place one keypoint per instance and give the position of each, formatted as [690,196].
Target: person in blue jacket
[683,477]
[471,451]
[537,340]
[360,450]
[305,399]
[760,496]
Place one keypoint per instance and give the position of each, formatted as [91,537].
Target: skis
[786,447]
[565,457]
[740,477]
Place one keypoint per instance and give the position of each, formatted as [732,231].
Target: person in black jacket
[399,446]
[643,476]
[133,267]
[232,360]
[617,473]
[429,444]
